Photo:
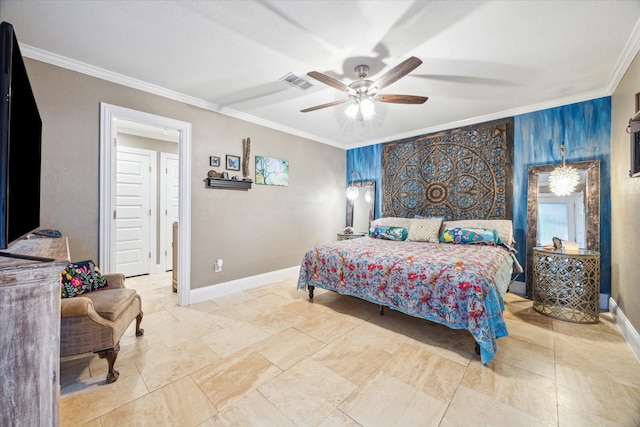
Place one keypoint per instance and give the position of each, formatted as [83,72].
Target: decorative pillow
[392,221]
[388,232]
[466,235]
[81,277]
[504,227]
[425,230]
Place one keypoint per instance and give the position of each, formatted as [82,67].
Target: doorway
[110,115]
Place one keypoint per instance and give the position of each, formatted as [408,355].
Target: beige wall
[625,201]
[255,231]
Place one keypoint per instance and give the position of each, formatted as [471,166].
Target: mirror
[360,212]
[574,218]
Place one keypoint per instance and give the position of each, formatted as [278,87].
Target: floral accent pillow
[81,277]
[466,235]
[387,232]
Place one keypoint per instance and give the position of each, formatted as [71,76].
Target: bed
[457,284]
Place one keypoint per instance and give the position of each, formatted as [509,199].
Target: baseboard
[226,288]
[629,333]
[518,288]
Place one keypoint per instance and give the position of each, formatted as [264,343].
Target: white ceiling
[482,60]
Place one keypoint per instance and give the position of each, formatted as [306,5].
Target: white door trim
[166,226]
[108,115]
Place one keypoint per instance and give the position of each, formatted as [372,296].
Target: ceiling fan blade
[328,104]
[397,72]
[401,99]
[329,81]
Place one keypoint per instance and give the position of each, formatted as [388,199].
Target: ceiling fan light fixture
[352,110]
[367,108]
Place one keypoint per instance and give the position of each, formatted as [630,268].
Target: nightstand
[342,236]
[566,285]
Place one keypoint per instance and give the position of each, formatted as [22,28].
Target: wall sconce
[353,192]
[564,179]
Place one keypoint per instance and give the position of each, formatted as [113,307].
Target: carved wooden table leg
[139,332]
[311,288]
[111,355]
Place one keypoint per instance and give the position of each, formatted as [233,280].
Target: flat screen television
[20,145]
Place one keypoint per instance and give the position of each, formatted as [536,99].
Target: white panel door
[169,199]
[134,221]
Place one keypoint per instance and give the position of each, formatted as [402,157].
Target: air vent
[297,81]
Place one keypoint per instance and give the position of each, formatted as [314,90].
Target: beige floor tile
[233,299]
[233,338]
[328,326]
[453,344]
[288,347]
[234,377]
[470,408]
[583,396]
[378,336]
[534,333]
[277,319]
[588,355]
[425,371]
[386,401]
[164,365]
[88,399]
[522,354]
[516,387]
[353,359]
[252,410]
[179,403]
[307,393]
[287,360]
[338,419]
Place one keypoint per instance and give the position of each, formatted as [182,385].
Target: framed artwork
[272,171]
[233,163]
[214,161]
[637,102]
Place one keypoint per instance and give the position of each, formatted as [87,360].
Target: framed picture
[214,161]
[233,163]
[272,171]
[637,102]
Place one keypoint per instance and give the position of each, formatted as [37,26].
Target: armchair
[95,321]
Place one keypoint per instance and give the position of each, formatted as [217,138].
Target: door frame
[109,114]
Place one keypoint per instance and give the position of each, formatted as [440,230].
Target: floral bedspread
[460,286]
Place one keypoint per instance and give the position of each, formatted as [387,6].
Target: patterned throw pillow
[467,235]
[387,232]
[425,230]
[79,278]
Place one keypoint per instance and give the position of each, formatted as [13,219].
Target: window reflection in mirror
[561,216]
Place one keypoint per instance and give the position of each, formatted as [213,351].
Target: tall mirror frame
[359,210]
[592,206]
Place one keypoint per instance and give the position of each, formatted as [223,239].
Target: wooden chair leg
[139,332]
[111,355]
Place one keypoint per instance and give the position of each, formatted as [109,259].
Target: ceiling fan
[362,92]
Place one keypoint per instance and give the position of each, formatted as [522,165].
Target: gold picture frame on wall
[637,98]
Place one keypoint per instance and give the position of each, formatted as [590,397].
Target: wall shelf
[227,183]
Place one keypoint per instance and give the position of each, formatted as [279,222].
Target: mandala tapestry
[465,173]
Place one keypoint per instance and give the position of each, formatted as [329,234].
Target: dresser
[30,338]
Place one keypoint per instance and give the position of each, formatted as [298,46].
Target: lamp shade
[352,192]
[563,180]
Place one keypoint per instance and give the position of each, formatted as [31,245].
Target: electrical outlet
[218,266]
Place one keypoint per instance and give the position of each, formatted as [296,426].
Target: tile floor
[269,357]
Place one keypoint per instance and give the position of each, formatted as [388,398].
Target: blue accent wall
[584,128]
